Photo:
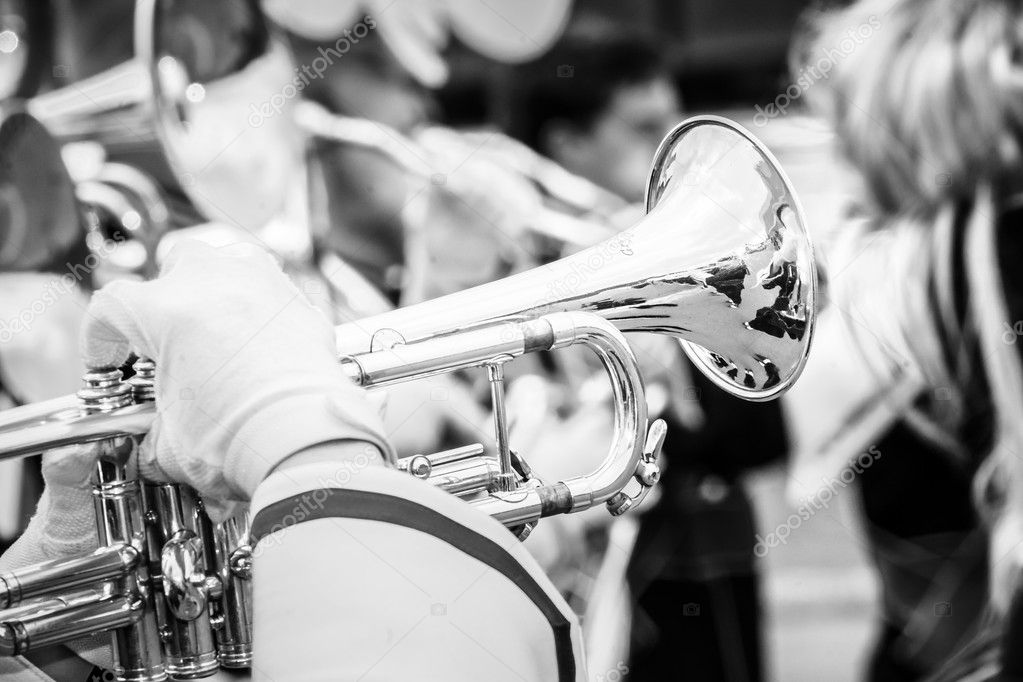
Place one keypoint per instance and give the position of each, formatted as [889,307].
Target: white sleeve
[369,574]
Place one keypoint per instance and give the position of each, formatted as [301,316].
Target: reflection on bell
[723,262]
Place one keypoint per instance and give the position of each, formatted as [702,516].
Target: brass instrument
[735,280]
[574,212]
[723,262]
[177,123]
[171,588]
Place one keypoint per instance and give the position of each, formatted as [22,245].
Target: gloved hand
[64,524]
[247,373]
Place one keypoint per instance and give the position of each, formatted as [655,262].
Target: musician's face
[371,83]
[617,149]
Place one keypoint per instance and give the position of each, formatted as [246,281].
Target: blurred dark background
[723,55]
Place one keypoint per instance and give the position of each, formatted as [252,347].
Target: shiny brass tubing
[48,577]
[455,454]
[51,603]
[462,471]
[138,656]
[466,477]
[475,347]
[446,353]
[234,636]
[495,374]
[22,635]
[189,646]
[507,340]
[30,430]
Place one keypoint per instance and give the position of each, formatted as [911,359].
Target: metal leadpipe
[428,357]
[68,426]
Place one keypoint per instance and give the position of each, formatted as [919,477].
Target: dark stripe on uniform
[371,506]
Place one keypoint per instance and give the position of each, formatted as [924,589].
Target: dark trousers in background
[697,631]
[695,590]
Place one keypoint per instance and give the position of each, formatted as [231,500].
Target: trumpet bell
[744,222]
[722,261]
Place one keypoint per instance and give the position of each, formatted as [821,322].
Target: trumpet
[177,122]
[723,262]
[736,283]
[575,211]
[171,587]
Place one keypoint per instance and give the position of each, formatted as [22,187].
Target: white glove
[64,524]
[246,376]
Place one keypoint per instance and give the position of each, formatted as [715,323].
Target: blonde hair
[929,110]
[929,103]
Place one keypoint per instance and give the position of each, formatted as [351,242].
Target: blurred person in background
[599,104]
[367,194]
[930,550]
[362,201]
[914,519]
[385,60]
[929,115]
